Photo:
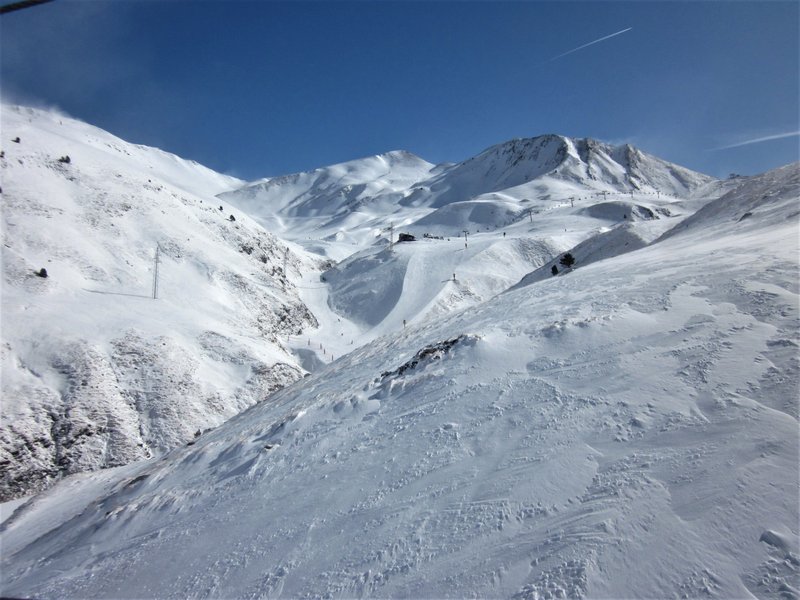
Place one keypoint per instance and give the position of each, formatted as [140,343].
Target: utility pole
[530,214]
[466,233]
[285,266]
[155,274]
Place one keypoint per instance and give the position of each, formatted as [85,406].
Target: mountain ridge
[345,196]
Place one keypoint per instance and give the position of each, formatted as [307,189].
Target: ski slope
[481,225]
[625,429]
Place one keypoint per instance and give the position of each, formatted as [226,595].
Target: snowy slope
[758,202]
[414,281]
[342,208]
[590,163]
[333,204]
[505,241]
[522,203]
[628,429]
[95,372]
[328,190]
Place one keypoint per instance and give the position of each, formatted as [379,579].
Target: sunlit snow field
[472,425]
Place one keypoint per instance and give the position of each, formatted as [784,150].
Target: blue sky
[257,89]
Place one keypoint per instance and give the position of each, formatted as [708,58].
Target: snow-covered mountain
[625,429]
[344,203]
[331,191]
[472,424]
[526,189]
[95,372]
[522,167]
[357,200]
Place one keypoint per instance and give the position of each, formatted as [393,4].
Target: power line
[7,8]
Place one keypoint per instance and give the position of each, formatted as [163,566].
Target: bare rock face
[106,409]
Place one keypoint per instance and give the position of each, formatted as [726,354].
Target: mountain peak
[401,155]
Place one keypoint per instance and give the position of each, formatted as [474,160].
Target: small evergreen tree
[567,260]
[554,270]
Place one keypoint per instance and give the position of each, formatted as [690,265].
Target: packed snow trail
[335,334]
[619,431]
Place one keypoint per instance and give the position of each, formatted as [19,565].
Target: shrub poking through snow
[567,260]
[554,270]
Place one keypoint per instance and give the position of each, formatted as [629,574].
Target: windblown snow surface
[627,428]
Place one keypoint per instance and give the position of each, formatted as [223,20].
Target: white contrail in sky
[778,136]
[602,39]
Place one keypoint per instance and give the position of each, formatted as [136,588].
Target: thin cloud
[767,138]
[597,41]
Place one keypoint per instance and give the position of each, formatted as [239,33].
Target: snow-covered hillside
[95,372]
[526,166]
[481,225]
[345,204]
[358,200]
[472,425]
[330,191]
[625,429]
